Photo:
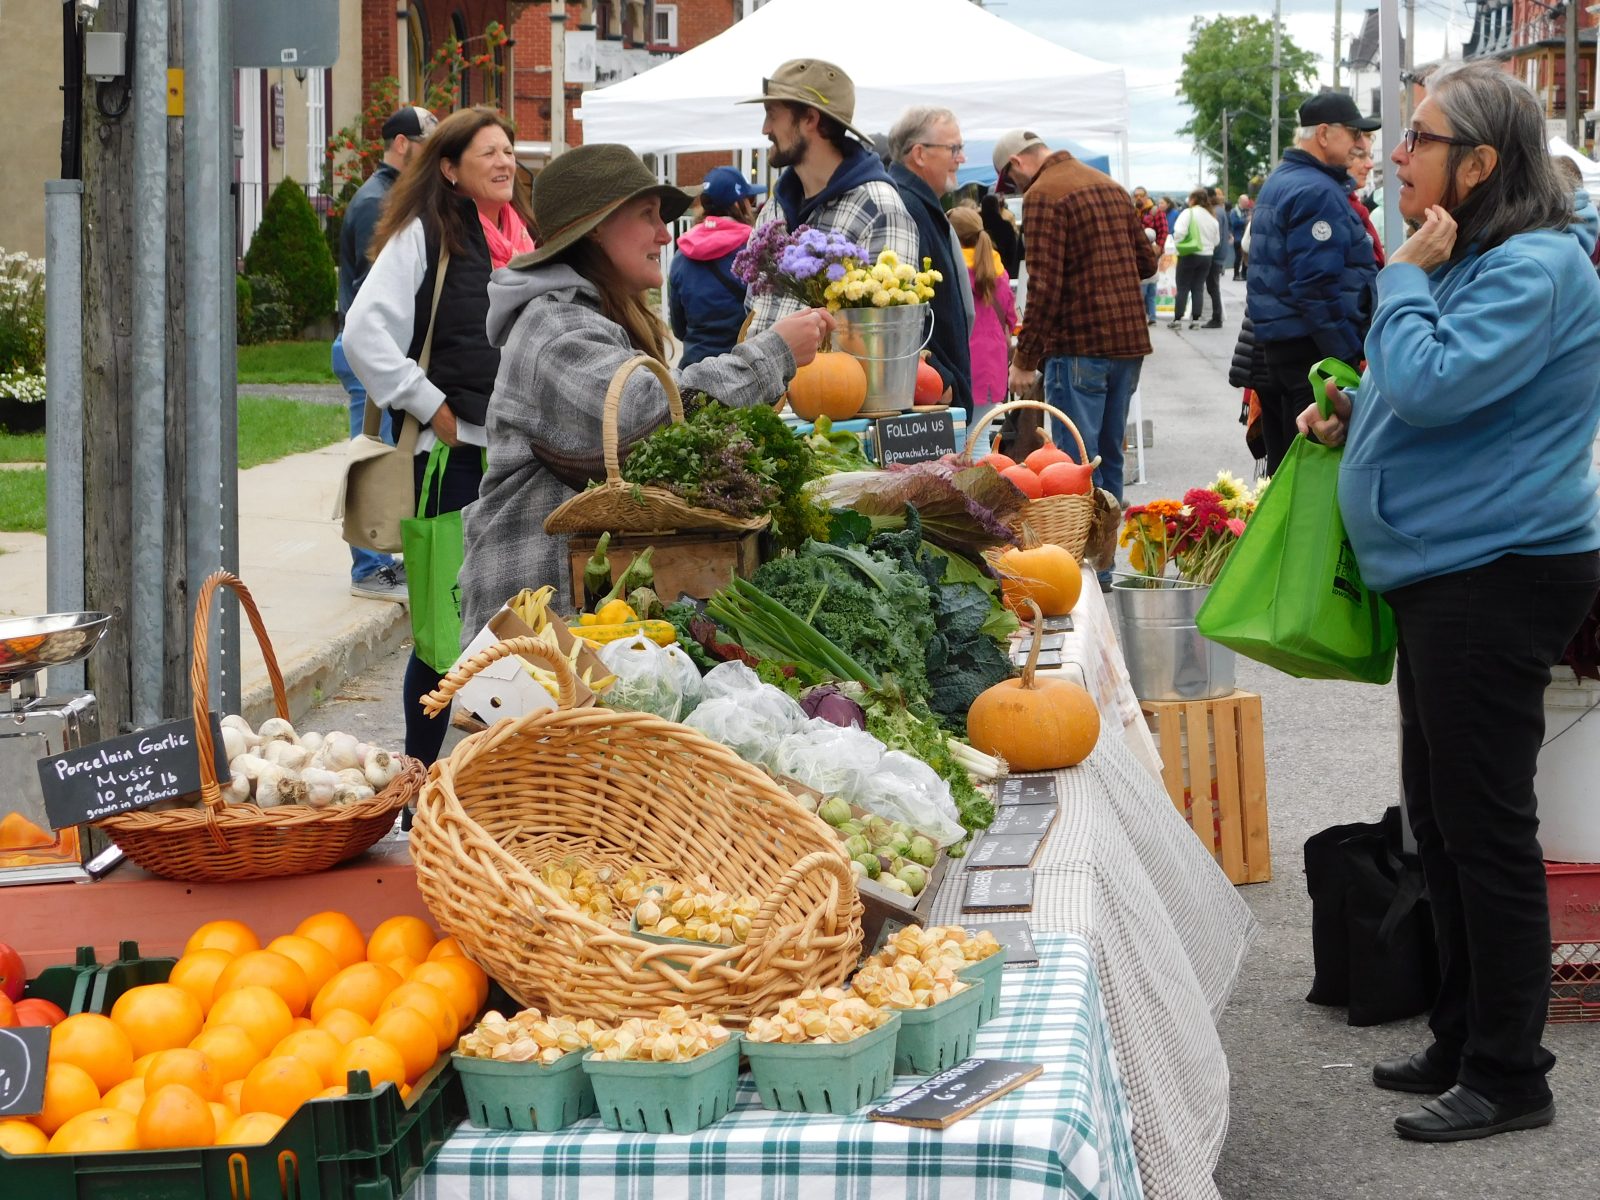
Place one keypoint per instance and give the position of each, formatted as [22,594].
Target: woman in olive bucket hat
[565,317]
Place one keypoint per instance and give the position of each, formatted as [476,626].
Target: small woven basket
[1061,520]
[616,789]
[218,842]
[623,507]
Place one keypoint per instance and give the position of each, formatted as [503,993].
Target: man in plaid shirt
[1084,323]
[830,180]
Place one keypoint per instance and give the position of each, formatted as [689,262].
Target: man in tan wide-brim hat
[831,180]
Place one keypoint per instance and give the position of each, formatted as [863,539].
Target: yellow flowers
[888,281]
[829,1016]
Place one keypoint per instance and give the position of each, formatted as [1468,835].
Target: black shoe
[1212,325]
[1462,1114]
[1413,1074]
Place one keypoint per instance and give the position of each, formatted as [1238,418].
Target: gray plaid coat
[557,355]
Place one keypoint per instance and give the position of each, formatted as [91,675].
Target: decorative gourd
[930,387]
[1046,455]
[995,459]
[1039,573]
[1068,478]
[1024,480]
[830,385]
[1034,724]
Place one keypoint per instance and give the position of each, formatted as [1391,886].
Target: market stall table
[1065,1134]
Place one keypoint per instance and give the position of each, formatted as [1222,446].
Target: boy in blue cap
[706,300]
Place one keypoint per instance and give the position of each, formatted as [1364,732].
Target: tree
[289,245]
[1228,66]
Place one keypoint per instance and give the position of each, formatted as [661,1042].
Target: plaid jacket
[1087,253]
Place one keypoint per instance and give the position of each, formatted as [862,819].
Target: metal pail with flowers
[887,343]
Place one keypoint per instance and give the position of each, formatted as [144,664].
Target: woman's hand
[805,333]
[1329,431]
[1431,244]
[444,425]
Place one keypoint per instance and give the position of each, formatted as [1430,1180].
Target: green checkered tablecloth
[1068,1133]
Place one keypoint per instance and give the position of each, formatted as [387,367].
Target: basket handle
[436,701]
[200,677]
[830,862]
[975,431]
[608,421]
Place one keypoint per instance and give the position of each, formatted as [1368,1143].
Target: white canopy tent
[899,53]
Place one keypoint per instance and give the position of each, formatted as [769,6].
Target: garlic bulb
[312,741]
[353,777]
[250,766]
[320,786]
[277,729]
[271,782]
[381,768]
[338,752]
[350,794]
[286,755]
[293,791]
[233,743]
[237,790]
[235,721]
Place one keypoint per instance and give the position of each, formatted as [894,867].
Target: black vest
[463,364]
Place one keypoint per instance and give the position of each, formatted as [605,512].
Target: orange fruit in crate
[233,936]
[411,1033]
[197,971]
[19,1137]
[336,933]
[129,1096]
[175,1116]
[187,1066]
[222,1115]
[142,1064]
[257,1010]
[230,1050]
[302,1023]
[158,1016]
[233,1093]
[463,983]
[96,1044]
[405,936]
[445,947]
[431,1003]
[315,959]
[333,1093]
[251,1129]
[317,1047]
[68,1091]
[267,969]
[380,1060]
[361,988]
[279,1085]
[96,1130]
[345,1025]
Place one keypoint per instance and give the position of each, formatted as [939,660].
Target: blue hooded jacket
[1472,433]
[705,298]
[1311,261]
[860,166]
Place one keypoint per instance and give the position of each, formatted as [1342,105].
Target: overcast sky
[1147,39]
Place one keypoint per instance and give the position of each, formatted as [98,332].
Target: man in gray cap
[831,180]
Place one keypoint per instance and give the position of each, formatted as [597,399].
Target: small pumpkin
[1034,724]
[995,459]
[1039,573]
[930,387]
[1068,478]
[832,385]
[1024,480]
[1048,454]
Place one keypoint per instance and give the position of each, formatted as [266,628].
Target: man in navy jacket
[1309,290]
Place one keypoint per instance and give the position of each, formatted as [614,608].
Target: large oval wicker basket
[1062,520]
[217,842]
[603,789]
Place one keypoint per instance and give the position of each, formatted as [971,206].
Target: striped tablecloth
[1065,1134]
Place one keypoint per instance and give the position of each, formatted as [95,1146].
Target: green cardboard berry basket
[529,1096]
[812,1077]
[987,972]
[651,1097]
[936,1038]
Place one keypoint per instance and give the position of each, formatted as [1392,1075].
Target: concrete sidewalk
[297,567]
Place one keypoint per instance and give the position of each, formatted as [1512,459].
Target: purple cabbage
[829,704]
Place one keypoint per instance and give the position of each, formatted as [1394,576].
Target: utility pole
[1227,187]
[1571,89]
[1277,71]
[558,76]
[1338,39]
[1410,61]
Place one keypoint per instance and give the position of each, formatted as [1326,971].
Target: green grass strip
[287,362]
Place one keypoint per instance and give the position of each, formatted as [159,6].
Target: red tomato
[1024,480]
[1067,479]
[930,388]
[11,973]
[8,1012]
[35,1011]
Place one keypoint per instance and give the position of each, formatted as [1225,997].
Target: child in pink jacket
[994,311]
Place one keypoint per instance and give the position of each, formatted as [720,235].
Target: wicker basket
[623,507]
[217,842]
[1062,520]
[615,789]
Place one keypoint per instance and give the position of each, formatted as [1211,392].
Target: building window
[417,46]
[665,30]
[458,30]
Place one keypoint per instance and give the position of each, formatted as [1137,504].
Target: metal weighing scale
[33,727]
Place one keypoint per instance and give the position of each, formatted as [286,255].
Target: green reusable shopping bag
[1290,594]
[434,548]
[1191,243]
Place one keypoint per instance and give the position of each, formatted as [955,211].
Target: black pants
[1241,261]
[1287,393]
[463,472]
[1476,648]
[1192,272]
[1214,287]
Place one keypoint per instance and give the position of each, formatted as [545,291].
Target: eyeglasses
[1410,137]
[955,148]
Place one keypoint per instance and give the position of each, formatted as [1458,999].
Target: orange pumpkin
[1039,573]
[1035,724]
[1024,480]
[1000,462]
[1048,454]
[929,386]
[831,385]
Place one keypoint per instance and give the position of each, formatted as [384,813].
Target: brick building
[1529,38]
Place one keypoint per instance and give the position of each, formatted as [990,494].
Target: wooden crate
[1219,744]
[696,564]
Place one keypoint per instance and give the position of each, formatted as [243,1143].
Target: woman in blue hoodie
[705,300]
[1469,496]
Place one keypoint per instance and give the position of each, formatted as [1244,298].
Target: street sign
[285,33]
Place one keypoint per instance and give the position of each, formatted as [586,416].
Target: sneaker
[1194,324]
[1175,326]
[386,583]
[1150,321]
[1212,325]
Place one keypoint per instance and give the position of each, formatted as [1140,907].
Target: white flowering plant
[21,327]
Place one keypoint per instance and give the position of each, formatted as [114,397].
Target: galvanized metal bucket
[886,342]
[1167,657]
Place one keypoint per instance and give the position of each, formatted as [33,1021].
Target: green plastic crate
[526,1095]
[67,985]
[810,1077]
[986,972]
[937,1038]
[650,1097]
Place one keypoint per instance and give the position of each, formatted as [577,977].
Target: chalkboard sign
[1015,850]
[1027,789]
[123,773]
[1061,624]
[999,891]
[1023,819]
[1050,641]
[1015,938]
[1047,660]
[24,1051]
[940,1102]
[915,437]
